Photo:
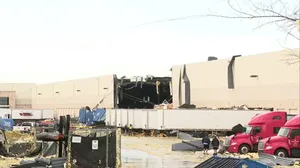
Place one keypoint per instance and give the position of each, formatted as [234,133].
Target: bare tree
[283,14]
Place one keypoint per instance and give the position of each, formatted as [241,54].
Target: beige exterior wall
[75,94]
[12,98]
[277,84]
[20,92]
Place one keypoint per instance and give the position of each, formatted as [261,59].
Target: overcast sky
[47,41]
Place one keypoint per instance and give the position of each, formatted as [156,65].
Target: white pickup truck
[24,127]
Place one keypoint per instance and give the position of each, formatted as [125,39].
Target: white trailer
[27,114]
[180,119]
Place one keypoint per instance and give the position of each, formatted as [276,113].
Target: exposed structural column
[116,86]
[186,91]
[157,83]
[230,71]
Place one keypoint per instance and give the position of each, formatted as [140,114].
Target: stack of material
[42,162]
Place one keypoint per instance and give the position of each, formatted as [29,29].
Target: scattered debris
[49,136]
[20,144]
[195,145]
[275,160]
[185,136]
[42,162]
[17,137]
[192,145]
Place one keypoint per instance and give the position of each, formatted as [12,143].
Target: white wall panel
[206,119]
[75,93]
[277,84]
[180,119]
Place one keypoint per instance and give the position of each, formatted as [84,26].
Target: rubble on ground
[253,156]
[42,162]
[20,144]
[16,137]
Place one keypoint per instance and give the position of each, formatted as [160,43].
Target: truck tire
[244,149]
[281,153]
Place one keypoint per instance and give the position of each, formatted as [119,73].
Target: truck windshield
[289,116]
[248,129]
[283,132]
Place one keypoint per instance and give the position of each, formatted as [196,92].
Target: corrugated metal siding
[221,163]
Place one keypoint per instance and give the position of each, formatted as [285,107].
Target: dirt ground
[7,162]
[159,147]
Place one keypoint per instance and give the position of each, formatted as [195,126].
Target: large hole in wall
[142,93]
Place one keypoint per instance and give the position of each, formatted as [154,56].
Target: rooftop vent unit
[211,58]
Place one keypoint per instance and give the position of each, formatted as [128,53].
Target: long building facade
[65,97]
[268,80]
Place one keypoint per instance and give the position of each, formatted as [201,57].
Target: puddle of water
[139,159]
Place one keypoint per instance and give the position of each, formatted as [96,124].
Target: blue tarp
[226,162]
[99,115]
[6,124]
[90,117]
[82,115]
[253,163]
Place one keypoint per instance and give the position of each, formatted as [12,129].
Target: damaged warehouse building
[266,80]
[263,81]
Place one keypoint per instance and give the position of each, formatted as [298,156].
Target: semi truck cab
[287,141]
[260,126]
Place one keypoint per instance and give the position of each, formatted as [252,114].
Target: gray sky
[46,41]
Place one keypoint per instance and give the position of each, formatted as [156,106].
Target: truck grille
[261,145]
[227,141]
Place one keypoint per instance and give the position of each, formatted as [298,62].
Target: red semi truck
[287,141]
[260,126]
